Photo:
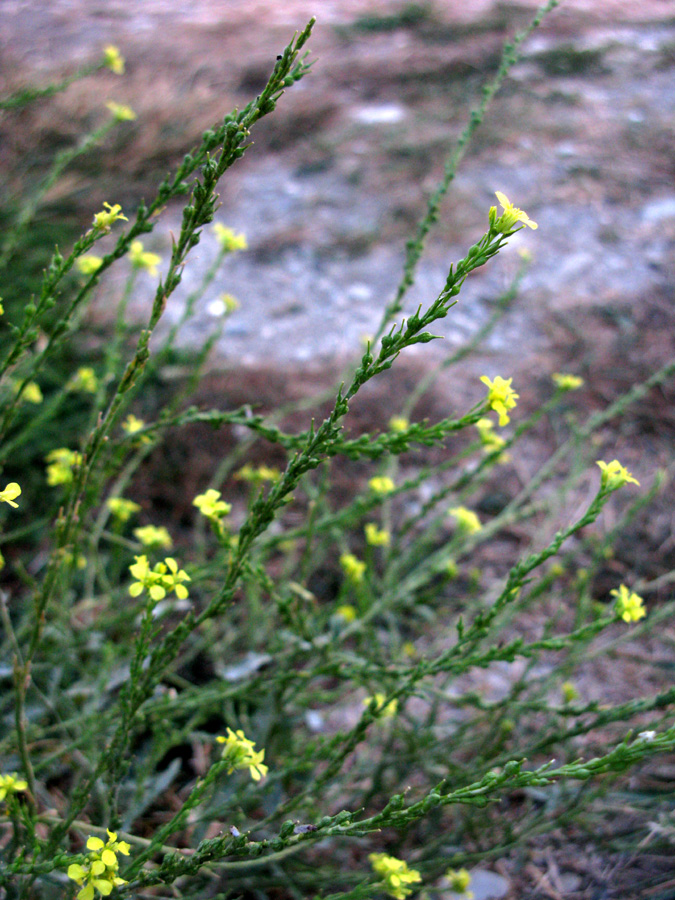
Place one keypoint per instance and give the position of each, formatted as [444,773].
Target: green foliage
[295,687]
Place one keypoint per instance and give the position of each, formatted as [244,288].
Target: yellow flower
[346,612]
[228,240]
[267,473]
[153,536]
[399,423]
[79,560]
[377,537]
[10,784]
[32,393]
[121,508]
[143,259]
[112,845]
[211,506]
[491,442]
[382,710]
[381,484]
[120,112]
[163,578]
[146,579]
[501,396]
[113,59]
[89,263]
[262,473]
[353,567]
[395,874]
[567,382]
[2,308]
[467,520]
[460,880]
[510,217]
[107,217]
[132,424]
[61,464]
[614,475]
[84,380]
[569,692]
[240,753]
[173,579]
[629,605]
[100,870]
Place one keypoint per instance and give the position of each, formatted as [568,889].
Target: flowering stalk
[230,142]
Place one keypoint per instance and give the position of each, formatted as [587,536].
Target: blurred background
[580,136]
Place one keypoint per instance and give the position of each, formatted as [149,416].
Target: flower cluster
[84,380]
[10,784]
[10,493]
[100,872]
[89,263]
[395,874]
[240,753]
[491,442]
[399,423]
[567,382]
[113,59]
[629,605]
[569,691]
[228,240]
[382,710]
[460,880]
[132,424]
[257,476]
[467,520]
[501,396]
[165,577]
[614,475]
[381,484]
[120,112]
[107,217]
[376,537]
[346,612]
[121,508]
[154,536]
[210,505]
[510,217]
[76,560]
[143,259]
[353,567]
[31,392]
[61,465]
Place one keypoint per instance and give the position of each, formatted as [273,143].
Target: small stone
[385,114]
